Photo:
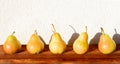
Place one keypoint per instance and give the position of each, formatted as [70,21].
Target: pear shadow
[50,39]
[45,45]
[42,40]
[23,48]
[96,38]
[116,38]
[72,39]
[94,42]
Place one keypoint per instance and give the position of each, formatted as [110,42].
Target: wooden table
[93,56]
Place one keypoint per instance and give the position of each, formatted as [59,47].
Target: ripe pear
[35,44]
[106,45]
[56,45]
[80,45]
[11,45]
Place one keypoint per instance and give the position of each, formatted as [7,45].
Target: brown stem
[35,31]
[86,28]
[102,30]
[13,32]
[54,30]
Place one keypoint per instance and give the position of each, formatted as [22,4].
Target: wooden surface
[93,56]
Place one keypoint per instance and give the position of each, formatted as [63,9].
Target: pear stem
[73,28]
[115,30]
[86,29]
[35,31]
[102,30]
[13,32]
[54,30]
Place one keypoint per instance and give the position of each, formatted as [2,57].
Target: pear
[56,45]
[35,44]
[80,45]
[106,45]
[11,45]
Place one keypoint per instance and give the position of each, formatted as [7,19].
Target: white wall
[24,16]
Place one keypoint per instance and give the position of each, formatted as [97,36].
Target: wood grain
[93,56]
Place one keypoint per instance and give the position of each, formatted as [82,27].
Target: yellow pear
[56,45]
[106,45]
[35,44]
[11,45]
[80,46]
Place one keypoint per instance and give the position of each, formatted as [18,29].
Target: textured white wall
[24,16]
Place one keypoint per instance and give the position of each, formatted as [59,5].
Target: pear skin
[56,45]
[80,46]
[11,45]
[35,45]
[106,44]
